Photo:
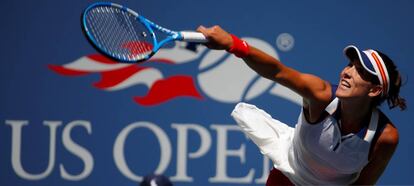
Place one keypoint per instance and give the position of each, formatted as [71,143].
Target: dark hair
[393,98]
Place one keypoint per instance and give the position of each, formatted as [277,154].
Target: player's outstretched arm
[313,89]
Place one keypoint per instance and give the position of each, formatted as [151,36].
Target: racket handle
[195,37]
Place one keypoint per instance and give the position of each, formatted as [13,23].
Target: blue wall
[77,119]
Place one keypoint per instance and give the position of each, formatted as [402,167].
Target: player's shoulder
[389,136]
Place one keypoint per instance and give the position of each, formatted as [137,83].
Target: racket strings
[136,47]
[98,25]
[119,34]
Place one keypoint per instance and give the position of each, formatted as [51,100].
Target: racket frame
[149,25]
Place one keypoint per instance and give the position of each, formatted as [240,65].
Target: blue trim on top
[366,61]
[361,134]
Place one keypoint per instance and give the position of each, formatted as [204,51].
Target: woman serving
[341,137]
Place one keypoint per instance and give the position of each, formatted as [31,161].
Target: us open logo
[220,76]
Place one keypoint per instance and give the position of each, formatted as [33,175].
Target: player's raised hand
[217,37]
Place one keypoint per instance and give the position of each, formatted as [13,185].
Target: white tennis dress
[308,154]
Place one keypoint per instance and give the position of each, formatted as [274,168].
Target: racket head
[117,32]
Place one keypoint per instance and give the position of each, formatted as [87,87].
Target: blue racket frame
[149,25]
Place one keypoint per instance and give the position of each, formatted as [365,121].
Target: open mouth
[345,83]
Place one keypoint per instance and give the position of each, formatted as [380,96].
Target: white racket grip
[195,37]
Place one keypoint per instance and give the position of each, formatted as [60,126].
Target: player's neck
[355,115]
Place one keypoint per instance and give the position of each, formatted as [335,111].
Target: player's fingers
[202,29]
[205,31]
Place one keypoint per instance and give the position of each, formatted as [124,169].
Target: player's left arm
[380,156]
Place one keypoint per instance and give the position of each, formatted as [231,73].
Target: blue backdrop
[68,116]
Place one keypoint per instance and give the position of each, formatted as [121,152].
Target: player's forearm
[267,66]
[310,87]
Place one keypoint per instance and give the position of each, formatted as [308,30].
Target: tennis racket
[122,34]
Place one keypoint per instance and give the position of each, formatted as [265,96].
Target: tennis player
[341,136]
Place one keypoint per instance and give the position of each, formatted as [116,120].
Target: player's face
[354,81]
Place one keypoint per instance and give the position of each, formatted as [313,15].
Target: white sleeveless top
[309,154]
